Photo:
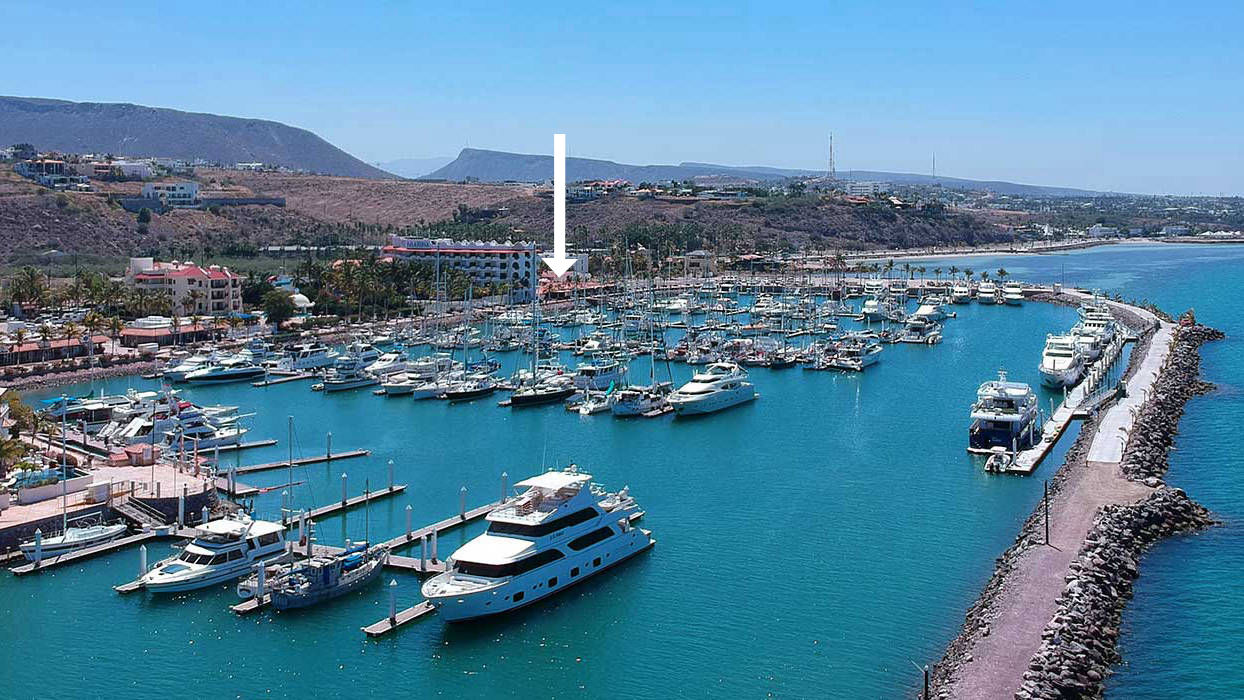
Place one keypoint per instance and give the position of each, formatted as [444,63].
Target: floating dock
[236,489]
[301,461]
[81,554]
[389,624]
[368,497]
[1081,401]
[281,379]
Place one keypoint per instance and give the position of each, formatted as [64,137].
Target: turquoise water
[1183,633]
[816,542]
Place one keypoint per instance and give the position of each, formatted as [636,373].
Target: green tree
[278,306]
[144,216]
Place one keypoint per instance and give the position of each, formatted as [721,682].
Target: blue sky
[1138,97]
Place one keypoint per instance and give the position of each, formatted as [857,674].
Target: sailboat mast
[64,494]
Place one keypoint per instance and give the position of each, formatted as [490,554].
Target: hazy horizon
[1104,97]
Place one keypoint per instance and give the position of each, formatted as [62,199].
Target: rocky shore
[1153,432]
[1078,650]
[85,374]
[1078,644]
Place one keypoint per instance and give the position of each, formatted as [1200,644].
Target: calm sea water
[816,542]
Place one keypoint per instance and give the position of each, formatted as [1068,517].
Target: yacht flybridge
[1062,361]
[560,530]
[222,550]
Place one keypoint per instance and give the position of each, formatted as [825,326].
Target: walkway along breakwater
[1047,622]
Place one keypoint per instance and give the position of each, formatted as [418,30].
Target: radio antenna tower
[832,174]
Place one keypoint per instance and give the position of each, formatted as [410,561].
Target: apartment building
[191,289]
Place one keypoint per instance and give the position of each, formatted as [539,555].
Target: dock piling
[259,580]
[409,510]
[434,546]
[390,474]
[393,602]
[343,489]
[423,552]
[38,547]
[203,515]
[329,451]
[181,510]
[504,477]
[142,560]
[462,503]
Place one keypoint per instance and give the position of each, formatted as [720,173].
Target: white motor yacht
[599,375]
[222,550]
[73,538]
[225,372]
[987,293]
[1005,415]
[305,356]
[719,386]
[561,530]
[388,364]
[1062,362]
[347,373]
[177,372]
[960,293]
[1013,293]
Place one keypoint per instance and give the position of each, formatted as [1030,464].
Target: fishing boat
[560,530]
[1006,415]
[319,578]
[221,551]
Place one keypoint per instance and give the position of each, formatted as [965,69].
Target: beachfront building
[487,262]
[192,290]
[1102,231]
[173,194]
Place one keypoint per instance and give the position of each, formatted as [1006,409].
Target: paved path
[1028,602]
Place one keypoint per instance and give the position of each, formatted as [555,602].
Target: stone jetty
[1046,624]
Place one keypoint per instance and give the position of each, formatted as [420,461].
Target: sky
[1130,97]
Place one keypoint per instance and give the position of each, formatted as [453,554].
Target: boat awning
[555,480]
[492,549]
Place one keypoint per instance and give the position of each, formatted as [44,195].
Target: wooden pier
[281,379]
[236,489]
[301,461]
[389,624]
[1086,397]
[81,554]
[368,497]
[252,604]
[234,448]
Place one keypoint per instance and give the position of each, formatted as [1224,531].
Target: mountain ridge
[138,130]
[501,166]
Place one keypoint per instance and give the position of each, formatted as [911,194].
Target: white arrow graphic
[559,263]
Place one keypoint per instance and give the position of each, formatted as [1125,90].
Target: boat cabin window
[542,529]
[235,555]
[591,538]
[516,568]
[270,538]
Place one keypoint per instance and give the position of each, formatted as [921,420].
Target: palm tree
[176,322]
[967,273]
[19,336]
[889,267]
[1001,273]
[984,275]
[70,331]
[954,271]
[115,326]
[938,272]
[45,334]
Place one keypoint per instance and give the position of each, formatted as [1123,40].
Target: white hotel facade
[516,264]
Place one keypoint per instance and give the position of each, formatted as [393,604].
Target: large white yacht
[347,373]
[561,530]
[987,292]
[225,372]
[222,550]
[720,385]
[1062,362]
[304,356]
[1013,293]
[960,293]
[1005,415]
[389,363]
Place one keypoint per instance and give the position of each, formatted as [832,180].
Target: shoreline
[1046,622]
[90,374]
